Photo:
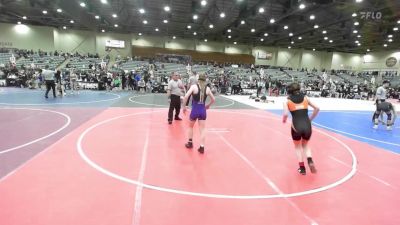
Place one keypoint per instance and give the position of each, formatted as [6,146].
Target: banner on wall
[264,55]
[173,58]
[115,44]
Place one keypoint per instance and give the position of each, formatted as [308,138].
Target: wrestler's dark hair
[293,88]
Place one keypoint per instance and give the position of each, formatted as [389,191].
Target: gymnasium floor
[111,158]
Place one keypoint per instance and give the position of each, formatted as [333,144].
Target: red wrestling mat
[128,166]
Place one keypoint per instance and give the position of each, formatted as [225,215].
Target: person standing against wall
[174,92]
[48,76]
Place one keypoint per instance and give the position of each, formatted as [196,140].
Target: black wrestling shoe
[201,150]
[169,121]
[302,170]
[189,145]
[177,118]
[312,167]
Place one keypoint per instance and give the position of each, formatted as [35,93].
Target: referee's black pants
[174,104]
[50,84]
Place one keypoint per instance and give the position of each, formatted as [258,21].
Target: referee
[174,92]
[48,76]
[381,92]
[380,96]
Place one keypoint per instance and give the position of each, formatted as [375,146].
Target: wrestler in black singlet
[301,124]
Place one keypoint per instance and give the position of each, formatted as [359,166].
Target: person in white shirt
[48,76]
[12,59]
[103,65]
[260,86]
[262,73]
[148,87]
[325,76]
[373,80]
[252,68]
[151,72]
[380,95]
[142,86]
[174,93]
[188,69]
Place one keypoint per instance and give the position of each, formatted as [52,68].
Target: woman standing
[199,93]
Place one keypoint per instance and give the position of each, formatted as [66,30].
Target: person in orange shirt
[297,104]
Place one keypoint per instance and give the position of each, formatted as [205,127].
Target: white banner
[115,44]
[264,55]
